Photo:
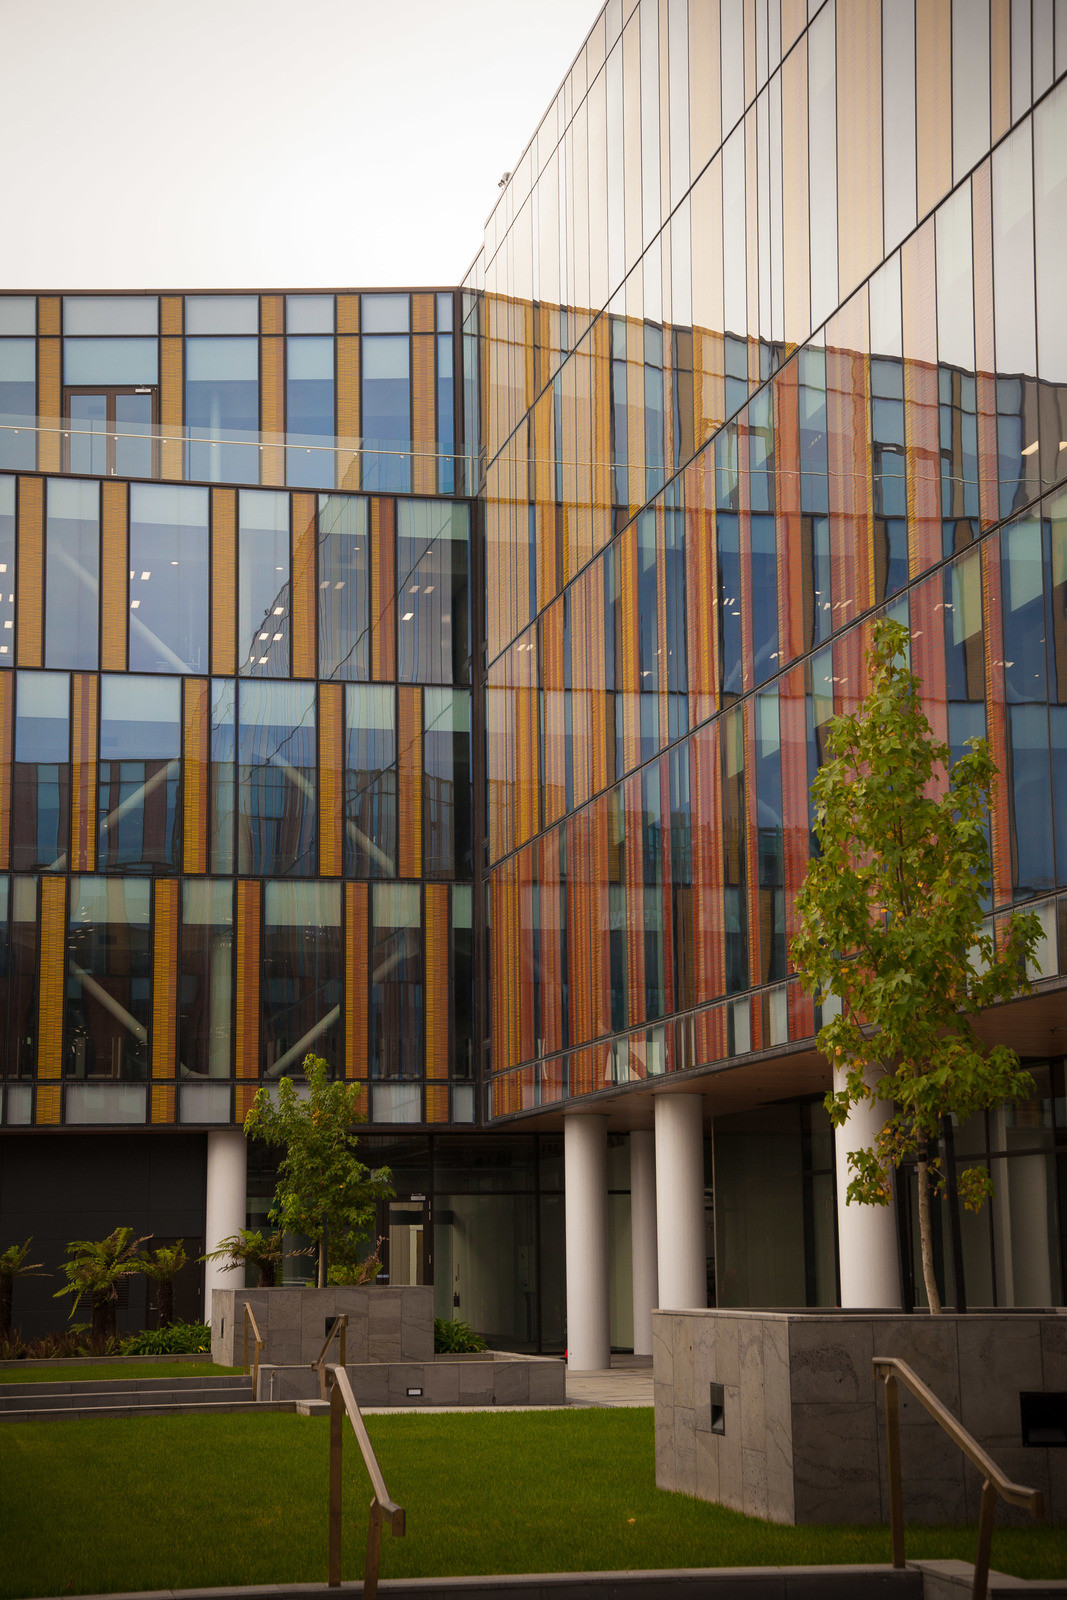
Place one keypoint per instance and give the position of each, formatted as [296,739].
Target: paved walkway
[627,1382]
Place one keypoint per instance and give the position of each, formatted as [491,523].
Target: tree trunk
[103,1325]
[266,1274]
[165,1302]
[925,1237]
[6,1287]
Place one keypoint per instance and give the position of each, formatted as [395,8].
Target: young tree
[323,1190]
[163,1264]
[96,1267]
[13,1264]
[250,1248]
[891,922]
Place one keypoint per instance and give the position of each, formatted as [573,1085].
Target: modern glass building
[435,679]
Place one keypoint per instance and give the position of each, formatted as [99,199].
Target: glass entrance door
[111,432]
[408,1233]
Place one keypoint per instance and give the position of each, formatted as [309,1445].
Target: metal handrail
[382,1509]
[250,1318]
[318,1366]
[890,1369]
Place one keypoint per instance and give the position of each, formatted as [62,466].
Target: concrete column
[866,1235]
[226,1207]
[683,1284]
[643,1238]
[585,1176]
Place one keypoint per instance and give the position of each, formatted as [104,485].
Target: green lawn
[120,1372]
[91,1507]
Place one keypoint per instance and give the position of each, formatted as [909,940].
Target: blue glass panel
[18,402]
[370,781]
[40,813]
[387,412]
[169,574]
[276,780]
[72,574]
[309,412]
[263,608]
[1033,871]
[88,314]
[110,361]
[222,408]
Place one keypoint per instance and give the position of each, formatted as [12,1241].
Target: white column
[866,1235]
[643,1238]
[585,1176]
[226,1206]
[683,1283]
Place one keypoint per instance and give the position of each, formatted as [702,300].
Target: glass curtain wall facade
[769,342]
[436,679]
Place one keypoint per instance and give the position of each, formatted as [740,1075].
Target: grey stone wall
[446,1380]
[804,1416]
[384,1324]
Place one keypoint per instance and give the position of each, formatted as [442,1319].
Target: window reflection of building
[109,979]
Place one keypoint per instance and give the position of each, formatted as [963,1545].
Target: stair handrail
[339,1326]
[891,1370]
[382,1509]
[251,1318]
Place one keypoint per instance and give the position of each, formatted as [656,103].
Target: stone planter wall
[384,1324]
[491,1379]
[804,1417]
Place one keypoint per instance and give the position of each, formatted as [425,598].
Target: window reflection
[221,408]
[109,979]
[169,544]
[446,783]
[386,410]
[276,779]
[302,975]
[205,981]
[263,584]
[309,411]
[397,1002]
[18,976]
[140,774]
[370,781]
[431,565]
[18,402]
[344,587]
[72,574]
[40,812]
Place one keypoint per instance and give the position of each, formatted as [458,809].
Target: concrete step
[133,1393]
[225,1383]
[755,1583]
[920,1580]
[159,1407]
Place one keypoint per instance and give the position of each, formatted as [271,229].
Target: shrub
[456,1339]
[179,1339]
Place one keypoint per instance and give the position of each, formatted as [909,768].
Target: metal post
[896,1497]
[344,1331]
[374,1546]
[246,1340]
[337,1417]
[985,1538]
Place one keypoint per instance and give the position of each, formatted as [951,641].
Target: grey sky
[254,143]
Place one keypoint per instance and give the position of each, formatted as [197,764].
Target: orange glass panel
[383,590]
[859,139]
[114,565]
[246,1054]
[304,587]
[409,780]
[272,406]
[223,582]
[357,901]
[438,945]
[83,796]
[164,980]
[933,101]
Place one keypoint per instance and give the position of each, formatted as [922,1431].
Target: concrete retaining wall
[491,1379]
[803,1419]
[384,1324]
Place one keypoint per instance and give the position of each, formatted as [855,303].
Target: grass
[181,1502]
[121,1372]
